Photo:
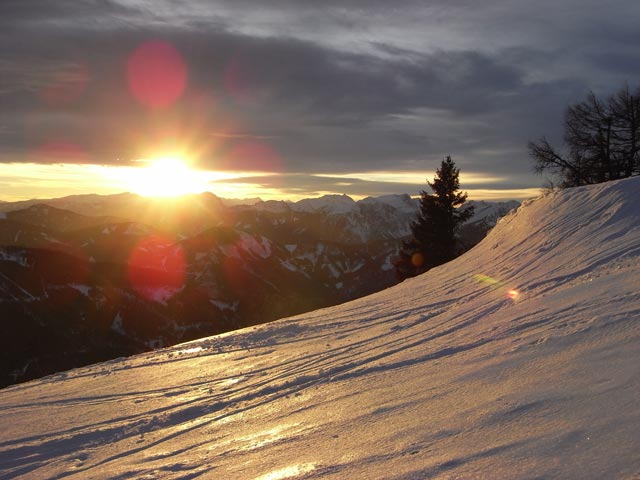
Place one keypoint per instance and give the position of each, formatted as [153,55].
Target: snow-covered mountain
[339,216]
[70,277]
[373,218]
[490,212]
[517,360]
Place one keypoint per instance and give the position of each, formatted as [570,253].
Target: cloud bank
[305,87]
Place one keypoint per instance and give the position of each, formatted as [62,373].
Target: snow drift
[519,359]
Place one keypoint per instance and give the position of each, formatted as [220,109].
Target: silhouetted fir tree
[435,230]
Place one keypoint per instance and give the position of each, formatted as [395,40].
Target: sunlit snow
[519,359]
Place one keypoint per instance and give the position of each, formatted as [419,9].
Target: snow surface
[231,202]
[274,206]
[116,324]
[520,359]
[257,246]
[330,204]
[83,289]
[489,211]
[137,229]
[14,256]
[400,202]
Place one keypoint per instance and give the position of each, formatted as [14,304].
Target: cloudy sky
[297,98]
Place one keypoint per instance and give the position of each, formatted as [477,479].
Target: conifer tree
[435,231]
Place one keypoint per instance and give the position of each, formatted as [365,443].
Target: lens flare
[156,74]
[156,268]
[511,293]
[486,279]
[417,259]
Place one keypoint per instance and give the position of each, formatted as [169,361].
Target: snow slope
[520,359]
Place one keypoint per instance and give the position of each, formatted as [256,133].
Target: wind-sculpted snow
[517,360]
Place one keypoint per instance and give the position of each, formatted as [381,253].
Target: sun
[166,177]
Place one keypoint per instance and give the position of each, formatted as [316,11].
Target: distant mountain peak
[330,204]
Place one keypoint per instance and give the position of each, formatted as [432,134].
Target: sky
[296,98]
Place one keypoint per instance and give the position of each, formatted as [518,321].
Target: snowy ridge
[400,202]
[490,211]
[330,204]
[517,360]
[376,218]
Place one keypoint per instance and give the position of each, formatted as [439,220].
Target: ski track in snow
[443,376]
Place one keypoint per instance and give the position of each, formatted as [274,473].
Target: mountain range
[87,278]
[518,359]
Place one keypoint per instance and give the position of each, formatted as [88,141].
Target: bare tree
[602,141]
[569,168]
[625,109]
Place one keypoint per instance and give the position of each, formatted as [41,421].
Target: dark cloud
[36,12]
[330,100]
[367,85]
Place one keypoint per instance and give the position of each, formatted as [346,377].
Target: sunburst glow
[166,177]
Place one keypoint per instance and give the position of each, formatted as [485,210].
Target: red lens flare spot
[513,294]
[65,86]
[156,74]
[252,156]
[417,259]
[156,268]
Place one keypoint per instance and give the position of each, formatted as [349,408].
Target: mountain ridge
[136,286]
[517,360]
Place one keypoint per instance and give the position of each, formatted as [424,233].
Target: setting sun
[166,177]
